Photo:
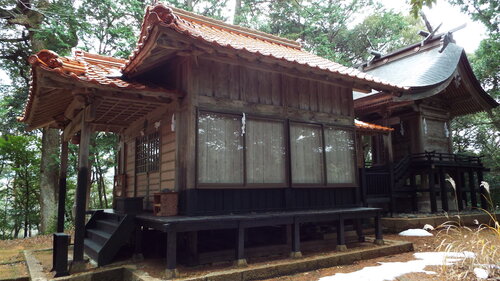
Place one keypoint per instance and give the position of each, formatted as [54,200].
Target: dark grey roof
[424,68]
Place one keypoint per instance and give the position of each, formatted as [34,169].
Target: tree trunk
[237,12]
[49,175]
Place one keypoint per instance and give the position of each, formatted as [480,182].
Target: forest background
[332,29]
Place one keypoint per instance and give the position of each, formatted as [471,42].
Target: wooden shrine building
[239,130]
[412,164]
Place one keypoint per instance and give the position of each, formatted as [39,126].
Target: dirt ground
[11,254]
[421,244]
[12,261]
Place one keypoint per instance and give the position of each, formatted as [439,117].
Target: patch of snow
[415,232]
[428,227]
[481,273]
[392,270]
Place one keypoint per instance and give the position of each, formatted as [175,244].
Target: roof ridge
[97,58]
[190,16]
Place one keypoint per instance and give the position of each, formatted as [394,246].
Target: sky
[451,17]
[442,12]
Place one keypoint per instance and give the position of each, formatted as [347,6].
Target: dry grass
[483,241]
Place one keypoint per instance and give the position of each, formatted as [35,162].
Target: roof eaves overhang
[161,17]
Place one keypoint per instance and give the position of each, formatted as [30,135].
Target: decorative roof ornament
[428,35]
[446,39]
[376,55]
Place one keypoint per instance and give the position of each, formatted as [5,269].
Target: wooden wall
[224,81]
[144,184]
[227,86]
[437,117]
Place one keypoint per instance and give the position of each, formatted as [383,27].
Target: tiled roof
[82,66]
[360,125]
[221,34]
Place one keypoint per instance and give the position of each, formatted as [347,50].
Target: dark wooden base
[128,205]
[293,220]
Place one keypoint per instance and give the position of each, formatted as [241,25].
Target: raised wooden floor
[176,224]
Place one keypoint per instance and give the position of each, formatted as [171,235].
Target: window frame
[288,182]
[201,185]
[147,139]
[354,157]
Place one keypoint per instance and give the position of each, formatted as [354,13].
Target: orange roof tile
[360,125]
[238,38]
[84,67]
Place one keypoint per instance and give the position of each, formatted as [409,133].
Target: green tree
[20,162]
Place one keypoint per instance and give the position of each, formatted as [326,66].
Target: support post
[432,190]
[240,246]
[472,189]
[391,189]
[81,195]
[460,187]
[192,246]
[60,254]
[444,190]
[341,235]
[379,239]
[62,185]
[364,186]
[296,240]
[358,223]
[414,199]
[138,244]
[482,190]
[171,271]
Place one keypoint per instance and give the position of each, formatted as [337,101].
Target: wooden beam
[73,126]
[87,114]
[75,106]
[58,81]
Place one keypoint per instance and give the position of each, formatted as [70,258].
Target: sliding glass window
[265,152]
[306,149]
[220,149]
[339,151]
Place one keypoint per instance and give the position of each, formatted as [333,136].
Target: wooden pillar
[460,188]
[388,147]
[482,190]
[391,189]
[192,246]
[296,240]
[62,185]
[414,199]
[379,239]
[171,271]
[432,191]
[362,178]
[358,224]
[138,244]
[444,190]
[81,192]
[472,189]
[60,254]
[341,235]
[240,246]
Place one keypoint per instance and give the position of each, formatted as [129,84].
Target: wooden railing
[433,156]
[384,181]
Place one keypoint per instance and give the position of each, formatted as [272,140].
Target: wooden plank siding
[230,82]
[139,183]
[229,87]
